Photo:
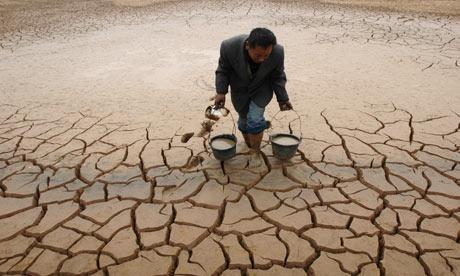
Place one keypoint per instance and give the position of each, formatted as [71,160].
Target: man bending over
[253,67]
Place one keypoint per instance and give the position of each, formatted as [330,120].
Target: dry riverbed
[95,176]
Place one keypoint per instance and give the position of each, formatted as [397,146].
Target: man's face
[259,54]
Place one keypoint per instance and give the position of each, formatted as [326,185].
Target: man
[253,66]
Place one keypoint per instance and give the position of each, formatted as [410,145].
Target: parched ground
[95,177]
[446,7]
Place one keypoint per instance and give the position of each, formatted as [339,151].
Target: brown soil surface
[101,174]
[446,7]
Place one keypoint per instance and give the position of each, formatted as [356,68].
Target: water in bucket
[284,145]
[221,143]
[223,146]
[285,140]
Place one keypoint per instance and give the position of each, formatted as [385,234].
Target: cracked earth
[96,177]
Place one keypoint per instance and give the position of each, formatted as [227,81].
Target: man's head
[260,44]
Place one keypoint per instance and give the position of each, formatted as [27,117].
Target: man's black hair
[261,37]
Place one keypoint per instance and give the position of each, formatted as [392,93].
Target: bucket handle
[298,118]
[233,121]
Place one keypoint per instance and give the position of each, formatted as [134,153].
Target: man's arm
[278,77]
[222,78]
[222,72]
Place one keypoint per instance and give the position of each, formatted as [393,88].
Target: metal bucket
[284,152]
[225,154]
[214,113]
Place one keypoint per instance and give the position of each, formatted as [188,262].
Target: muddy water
[222,144]
[285,141]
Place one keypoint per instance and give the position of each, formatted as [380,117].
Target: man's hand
[285,106]
[219,100]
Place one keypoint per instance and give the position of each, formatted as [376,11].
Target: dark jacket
[233,70]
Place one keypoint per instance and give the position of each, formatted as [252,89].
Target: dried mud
[100,172]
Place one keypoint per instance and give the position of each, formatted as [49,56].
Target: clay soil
[105,164]
[445,7]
